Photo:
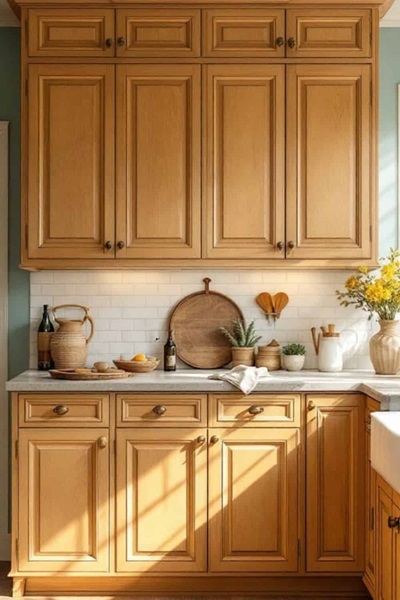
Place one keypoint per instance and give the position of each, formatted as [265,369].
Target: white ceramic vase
[293,362]
[384,348]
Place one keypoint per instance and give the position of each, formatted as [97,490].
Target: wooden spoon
[264,300]
[280,301]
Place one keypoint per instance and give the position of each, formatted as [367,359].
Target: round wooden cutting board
[196,323]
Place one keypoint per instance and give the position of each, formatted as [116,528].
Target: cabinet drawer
[160,33]
[244,33]
[83,32]
[63,410]
[161,410]
[259,410]
[328,33]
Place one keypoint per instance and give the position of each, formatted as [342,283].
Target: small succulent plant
[241,336]
[294,350]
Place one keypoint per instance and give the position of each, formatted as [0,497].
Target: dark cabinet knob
[61,410]
[292,244]
[280,245]
[109,42]
[256,410]
[108,245]
[214,439]
[291,42]
[121,41]
[121,245]
[160,410]
[279,41]
[393,522]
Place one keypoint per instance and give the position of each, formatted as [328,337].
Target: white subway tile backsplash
[131,308]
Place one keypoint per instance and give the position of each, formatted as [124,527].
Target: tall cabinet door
[243,158]
[253,500]
[63,500]
[335,503]
[70,178]
[161,500]
[384,545]
[158,161]
[329,166]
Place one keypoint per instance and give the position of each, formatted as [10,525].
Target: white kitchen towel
[242,377]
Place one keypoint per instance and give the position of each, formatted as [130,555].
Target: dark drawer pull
[160,410]
[256,410]
[61,410]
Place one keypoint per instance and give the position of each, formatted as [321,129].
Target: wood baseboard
[267,586]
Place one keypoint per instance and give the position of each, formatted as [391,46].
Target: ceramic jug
[328,349]
[69,344]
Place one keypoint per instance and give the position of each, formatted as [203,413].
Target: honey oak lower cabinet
[370,513]
[70,148]
[254,500]
[335,483]
[64,500]
[328,153]
[161,500]
[387,542]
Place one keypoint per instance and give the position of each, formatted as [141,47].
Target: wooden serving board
[196,323]
[71,375]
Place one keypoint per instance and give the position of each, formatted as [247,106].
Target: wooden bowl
[136,366]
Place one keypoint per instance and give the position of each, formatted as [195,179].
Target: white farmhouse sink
[385,446]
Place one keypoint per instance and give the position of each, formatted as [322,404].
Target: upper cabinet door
[63,500]
[254,500]
[335,483]
[159,33]
[328,33]
[243,145]
[69,32]
[244,32]
[70,179]
[329,168]
[158,161]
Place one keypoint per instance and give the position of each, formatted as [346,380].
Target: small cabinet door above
[70,182]
[158,161]
[329,167]
[243,145]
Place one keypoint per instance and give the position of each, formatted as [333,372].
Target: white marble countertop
[384,388]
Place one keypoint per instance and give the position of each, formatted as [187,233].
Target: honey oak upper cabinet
[328,150]
[158,161]
[243,145]
[253,500]
[68,32]
[161,500]
[335,503]
[63,500]
[70,147]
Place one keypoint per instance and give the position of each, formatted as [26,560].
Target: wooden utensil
[280,301]
[264,300]
[196,323]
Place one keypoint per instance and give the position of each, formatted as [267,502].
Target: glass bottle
[170,353]
[45,331]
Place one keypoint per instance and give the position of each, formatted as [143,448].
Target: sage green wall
[10,111]
[18,280]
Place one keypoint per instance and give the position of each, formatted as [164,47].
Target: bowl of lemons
[140,363]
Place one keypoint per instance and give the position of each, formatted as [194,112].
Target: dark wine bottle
[170,353]
[45,331]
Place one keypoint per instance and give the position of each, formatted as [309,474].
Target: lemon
[140,357]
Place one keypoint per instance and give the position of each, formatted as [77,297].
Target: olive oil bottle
[45,331]
[170,353]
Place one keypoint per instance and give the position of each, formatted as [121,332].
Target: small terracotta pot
[293,362]
[242,356]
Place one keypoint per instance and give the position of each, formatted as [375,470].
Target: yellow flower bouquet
[379,294]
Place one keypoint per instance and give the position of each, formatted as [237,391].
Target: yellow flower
[376,292]
[352,283]
[388,271]
[363,270]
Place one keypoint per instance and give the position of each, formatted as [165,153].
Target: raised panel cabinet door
[335,483]
[70,183]
[396,556]
[370,514]
[63,500]
[161,500]
[70,32]
[243,159]
[384,547]
[329,167]
[328,33]
[254,500]
[158,161]
[160,33]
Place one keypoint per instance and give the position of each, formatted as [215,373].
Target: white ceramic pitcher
[329,349]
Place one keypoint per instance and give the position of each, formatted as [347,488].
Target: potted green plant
[293,357]
[243,340]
